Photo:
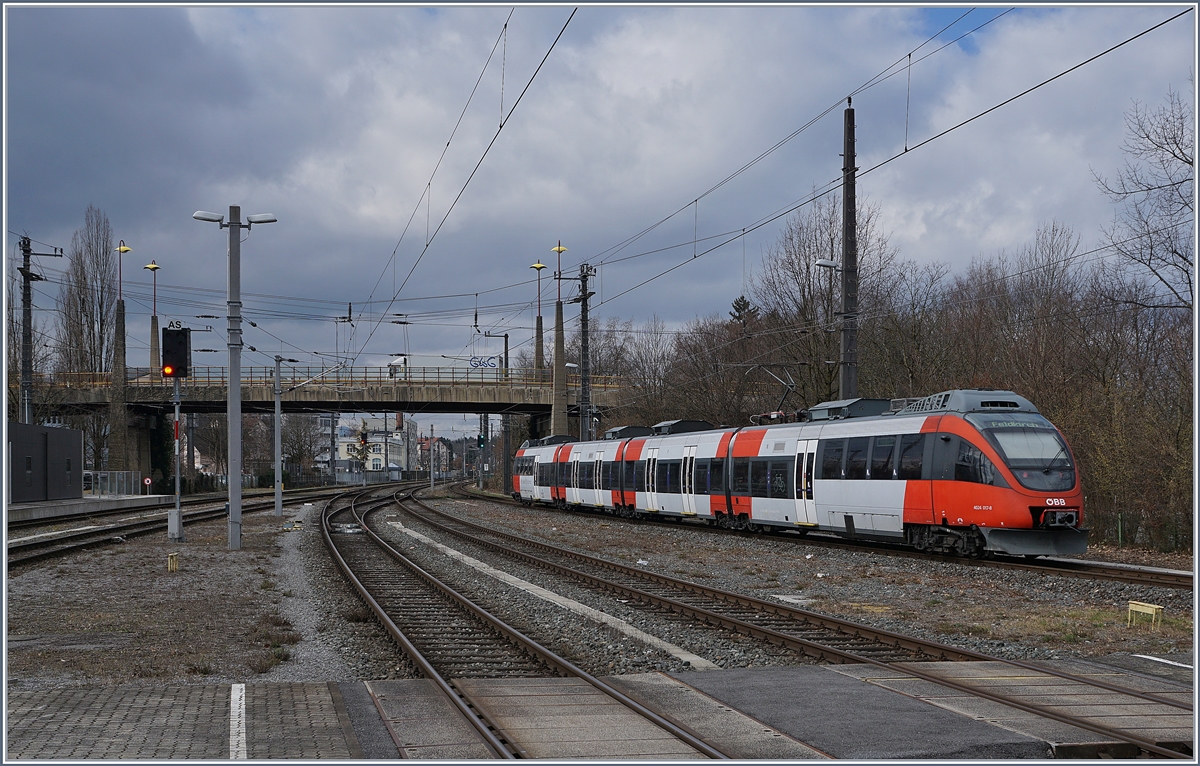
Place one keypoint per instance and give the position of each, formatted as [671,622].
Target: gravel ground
[278,611]
[1006,613]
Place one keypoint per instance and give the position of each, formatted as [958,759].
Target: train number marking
[983,507]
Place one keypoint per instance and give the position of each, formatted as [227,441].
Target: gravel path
[278,611]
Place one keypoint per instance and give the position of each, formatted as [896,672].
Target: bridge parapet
[361,389]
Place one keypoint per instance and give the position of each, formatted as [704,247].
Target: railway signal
[176,353]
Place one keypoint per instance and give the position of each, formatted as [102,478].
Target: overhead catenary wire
[475,170]
[833,186]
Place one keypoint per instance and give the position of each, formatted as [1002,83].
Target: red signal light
[168,371]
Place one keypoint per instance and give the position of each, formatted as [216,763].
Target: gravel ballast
[278,610]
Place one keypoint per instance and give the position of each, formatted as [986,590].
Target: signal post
[176,364]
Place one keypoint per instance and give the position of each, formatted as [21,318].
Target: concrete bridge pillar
[118,415]
[558,406]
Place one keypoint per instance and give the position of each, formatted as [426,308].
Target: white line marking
[237,722]
[696,660]
[1165,662]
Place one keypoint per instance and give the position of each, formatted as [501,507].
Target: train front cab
[999,483]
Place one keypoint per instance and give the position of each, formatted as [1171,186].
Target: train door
[598,481]
[529,483]
[687,481]
[652,505]
[806,457]
[573,490]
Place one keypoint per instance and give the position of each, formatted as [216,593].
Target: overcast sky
[335,118]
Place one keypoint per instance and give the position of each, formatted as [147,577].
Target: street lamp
[234,408]
[539,358]
[120,250]
[560,250]
[154,367]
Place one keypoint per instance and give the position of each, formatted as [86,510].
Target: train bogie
[968,472]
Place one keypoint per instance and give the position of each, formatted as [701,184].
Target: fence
[98,483]
[343,377]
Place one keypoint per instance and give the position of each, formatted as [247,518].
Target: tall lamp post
[118,416]
[558,406]
[155,372]
[234,408]
[539,355]
[120,250]
[279,436]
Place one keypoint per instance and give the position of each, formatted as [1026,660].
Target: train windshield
[1031,447]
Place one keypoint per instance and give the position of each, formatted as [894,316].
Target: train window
[1031,447]
[700,478]
[856,458]
[587,475]
[639,476]
[716,477]
[666,476]
[808,476]
[800,475]
[741,476]
[630,479]
[883,449]
[564,475]
[912,453]
[760,479]
[831,457]
[972,465]
[778,479]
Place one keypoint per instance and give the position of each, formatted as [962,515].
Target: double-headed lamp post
[234,408]
[155,372]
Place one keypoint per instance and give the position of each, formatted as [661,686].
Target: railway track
[788,626]
[290,495]
[449,638]
[1093,570]
[42,547]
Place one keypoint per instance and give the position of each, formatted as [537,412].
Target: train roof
[969,400]
[959,400]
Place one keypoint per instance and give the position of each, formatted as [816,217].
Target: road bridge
[348,389]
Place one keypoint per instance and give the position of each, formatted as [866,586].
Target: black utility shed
[45,463]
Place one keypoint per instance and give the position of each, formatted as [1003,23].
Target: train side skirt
[1036,542]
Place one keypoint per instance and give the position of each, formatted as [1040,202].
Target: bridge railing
[342,377]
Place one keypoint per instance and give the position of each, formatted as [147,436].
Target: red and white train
[967,471]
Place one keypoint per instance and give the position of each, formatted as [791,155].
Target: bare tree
[1155,222]
[86,319]
[212,439]
[799,302]
[303,439]
[43,352]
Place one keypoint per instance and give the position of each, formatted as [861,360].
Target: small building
[44,463]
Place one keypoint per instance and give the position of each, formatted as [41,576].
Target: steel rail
[811,648]
[909,669]
[303,493]
[931,648]
[493,743]
[1092,570]
[83,539]
[550,658]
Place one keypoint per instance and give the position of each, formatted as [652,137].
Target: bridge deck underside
[519,400]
